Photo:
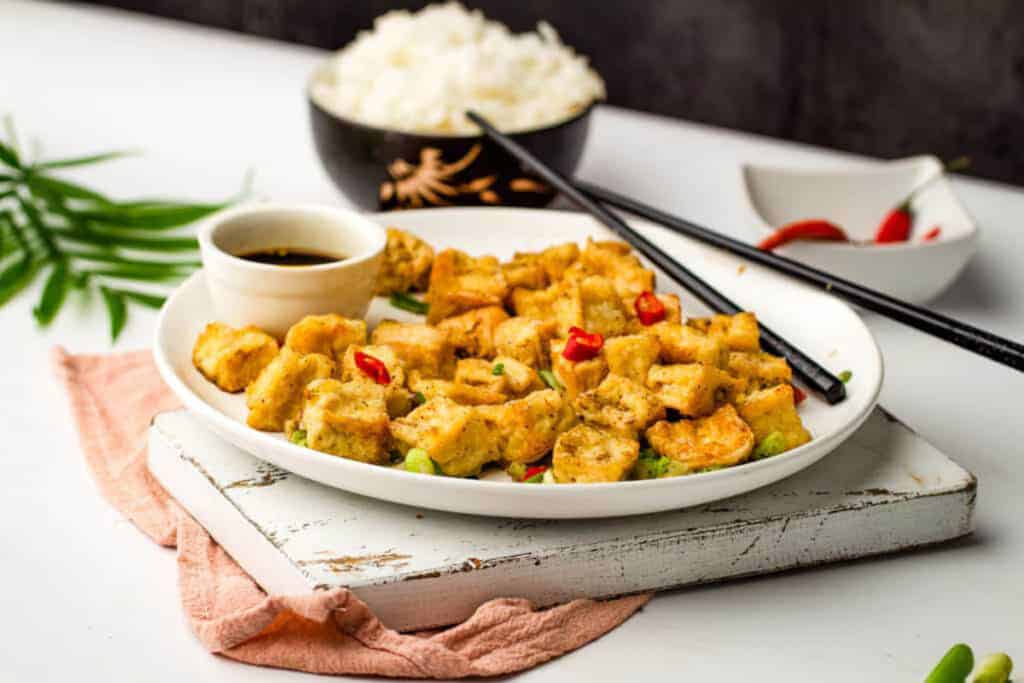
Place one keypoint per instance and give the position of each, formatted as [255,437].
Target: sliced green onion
[954,667]
[650,465]
[773,444]
[550,379]
[498,370]
[409,303]
[845,376]
[298,437]
[419,398]
[417,460]
[535,479]
[994,668]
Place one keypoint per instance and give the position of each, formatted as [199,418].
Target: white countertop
[85,594]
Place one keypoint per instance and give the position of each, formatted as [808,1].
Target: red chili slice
[932,234]
[537,470]
[799,395]
[581,345]
[895,227]
[649,309]
[814,229]
[373,368]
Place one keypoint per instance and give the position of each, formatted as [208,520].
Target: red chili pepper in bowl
[649,309]
[896,225]
[582,345]
[932,234]
[799,395]
[373,368]
[814,229]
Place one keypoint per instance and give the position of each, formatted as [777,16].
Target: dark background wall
[882,77]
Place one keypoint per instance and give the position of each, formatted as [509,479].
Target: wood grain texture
[886,79]
[883,491]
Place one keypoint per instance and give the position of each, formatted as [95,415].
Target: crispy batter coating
[738,332]
[720,440]
[526,340]
[504,375]
[329,334]
[587,454]
[460,283]
[620,404]
[773,410]
[232,358]
[399,400]
[406,264]
[528,427]
[275,398]
[576,376]
[347,419]
[472,333]
[694,389]
[632,355]
[684,344]
[421,348]
[455,437]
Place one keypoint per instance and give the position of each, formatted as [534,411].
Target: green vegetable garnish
[550,379]
[954,667]
[773,444]
[84,240]
[419,398]
[994,668]
[516,471]
[298,437]
[845,376]
[536,479]
[409,303]
[499,369]
[417,460]
[650,465]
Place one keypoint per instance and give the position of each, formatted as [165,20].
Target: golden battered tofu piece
[720,440]
[673,312]
[586,454]
[421,348]
[576,376]
[557,259]
[560,304]
[276,396]
[773,410]
[528,427]
[602,307]
[406,264]
[526,271]
[330,335]
[455,437]
[693,389]
[463,394]
[347,419]
[758,370]
[615,261]
[525,340]
[232,358]
[459,283]
[620,404]
[399,400]
[738,332]
[505,375]
[632,355]
[472,333]
[684,344]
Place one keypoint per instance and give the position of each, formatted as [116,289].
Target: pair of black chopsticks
[814,375]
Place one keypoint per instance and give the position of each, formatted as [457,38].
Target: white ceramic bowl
[271,297]
[857,198]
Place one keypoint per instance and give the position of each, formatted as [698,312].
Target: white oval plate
[819,324]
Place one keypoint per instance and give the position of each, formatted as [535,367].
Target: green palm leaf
[116,311]
[54,293]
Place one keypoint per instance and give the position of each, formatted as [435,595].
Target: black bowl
[381,169]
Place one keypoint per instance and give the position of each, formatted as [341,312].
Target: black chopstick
[814,375]
[965,336]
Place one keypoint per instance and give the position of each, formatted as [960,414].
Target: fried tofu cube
[406,264]
[632,355]
[576,376]
[694,389]
[528,427]
[420,347]
[738,332]
[525,340]
[615,261]
[232,358]
[586,454]
[684,344]
[330,335]
[620,404]
[459,283]
[472,333]
[720,440]
[526,271]
[557,259]
[505,375]
[455,437]
[347,419]
[561,304]
[773,410]
[758,370]
[602,307]
[275,398]
[399,400]
[463,394]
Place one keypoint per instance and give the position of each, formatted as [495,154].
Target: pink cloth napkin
[114,397]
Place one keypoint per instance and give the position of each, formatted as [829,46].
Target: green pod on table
[954,667]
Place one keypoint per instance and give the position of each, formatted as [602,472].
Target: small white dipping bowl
[273,297]
[857,198]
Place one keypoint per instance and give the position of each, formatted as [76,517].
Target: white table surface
[85,594]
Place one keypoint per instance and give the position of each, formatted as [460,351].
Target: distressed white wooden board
[884,490]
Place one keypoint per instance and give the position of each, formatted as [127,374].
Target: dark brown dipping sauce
[284,256]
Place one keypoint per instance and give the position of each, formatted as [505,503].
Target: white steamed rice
[420,72]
